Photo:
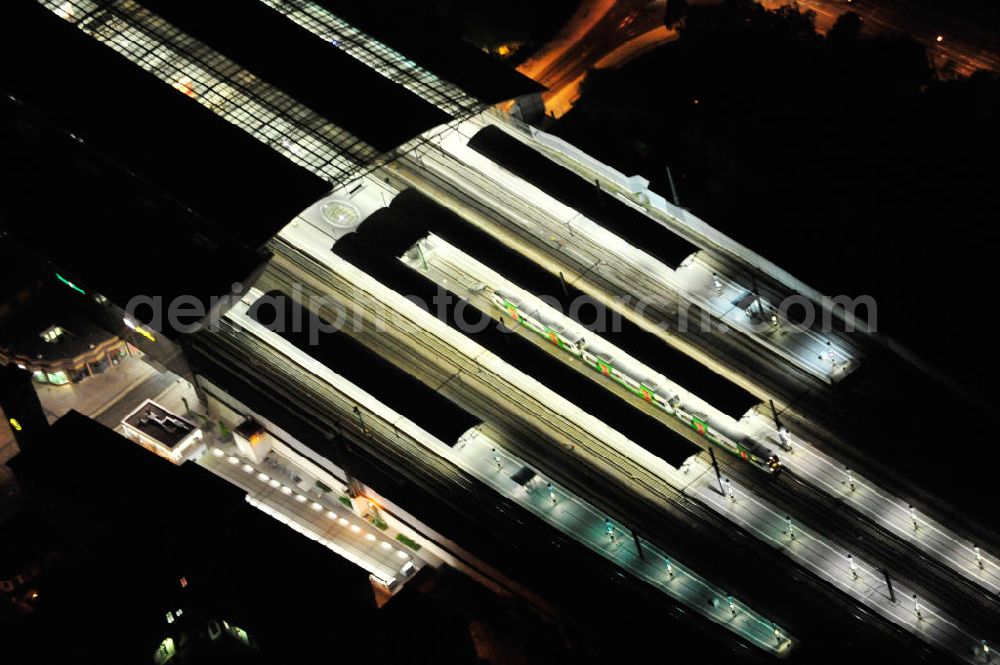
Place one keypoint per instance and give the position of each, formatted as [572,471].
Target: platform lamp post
[715,465]
[785,437]
[420,251]
[774,415]
[673,188]
[600,191]
[756,293]
[361,419]
[888,584]
[638,545]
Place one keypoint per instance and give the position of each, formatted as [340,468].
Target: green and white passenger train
[637,380]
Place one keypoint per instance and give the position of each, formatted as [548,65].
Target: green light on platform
[69,283]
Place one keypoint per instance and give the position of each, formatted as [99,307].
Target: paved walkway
[827,560]
[318,515]
[96,393]
[496,467]
[879,505]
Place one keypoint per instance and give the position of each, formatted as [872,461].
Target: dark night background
[856,163]
[850,159]
[846,159]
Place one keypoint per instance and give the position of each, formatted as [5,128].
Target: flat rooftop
[160,425]
[22,334]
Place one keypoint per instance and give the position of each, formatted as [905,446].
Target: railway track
[859,535]
[626,499]
[856,533]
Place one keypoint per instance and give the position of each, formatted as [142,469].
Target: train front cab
[758,455]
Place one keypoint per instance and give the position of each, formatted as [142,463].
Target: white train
[639,381]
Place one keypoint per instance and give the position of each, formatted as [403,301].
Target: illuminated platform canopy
[302,79]
[305,67]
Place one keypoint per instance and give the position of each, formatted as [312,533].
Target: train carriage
[638,381]
[531,317]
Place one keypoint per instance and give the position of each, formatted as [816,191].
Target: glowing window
[51,334]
